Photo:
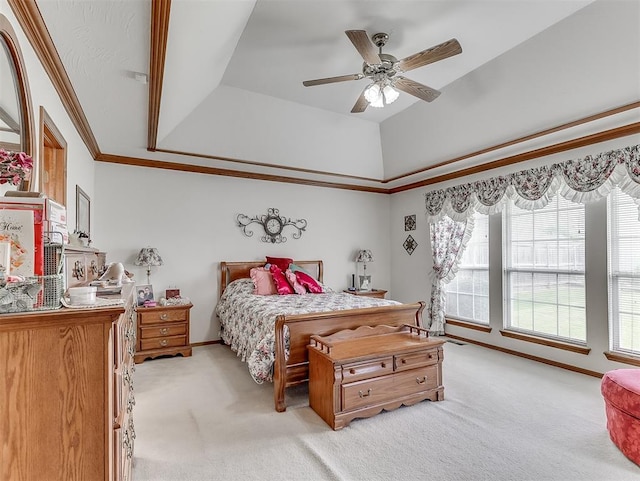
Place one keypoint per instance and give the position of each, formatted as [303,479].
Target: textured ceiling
[267,48]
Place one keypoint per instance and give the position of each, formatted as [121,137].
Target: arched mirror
[16,123]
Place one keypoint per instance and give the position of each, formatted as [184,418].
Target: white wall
[409,281]
[80,165]
[191,219]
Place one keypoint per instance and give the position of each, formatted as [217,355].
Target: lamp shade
[364,256]
[148,256]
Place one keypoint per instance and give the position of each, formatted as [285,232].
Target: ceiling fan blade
[330,80]
[416,89]
[363,45]
[361,104]
[430,55]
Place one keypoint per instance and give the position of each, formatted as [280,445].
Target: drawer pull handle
[352,371]
[383,364]
[421,381]
[164,331]
[164,342]
[164,316]
[403,361]
[430,356]
[363,395]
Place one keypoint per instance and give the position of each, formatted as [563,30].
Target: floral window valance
[582,180]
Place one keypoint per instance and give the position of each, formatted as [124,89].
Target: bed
[286,330]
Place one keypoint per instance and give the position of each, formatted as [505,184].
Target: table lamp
[363,257]
[148,256]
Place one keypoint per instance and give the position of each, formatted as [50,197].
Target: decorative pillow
[308,282]
[281,262]
[296,268]
[291,277]
[262,282]
[282,285]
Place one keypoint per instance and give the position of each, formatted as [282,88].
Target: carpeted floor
[503,418]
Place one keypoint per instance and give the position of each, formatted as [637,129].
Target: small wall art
[410,245]
[410,222]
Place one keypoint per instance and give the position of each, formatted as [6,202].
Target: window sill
[546,342]
[623,358]
[468,325]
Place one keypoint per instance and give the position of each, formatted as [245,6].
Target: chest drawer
[160,342]
[415,359]
[161,315]
[163,331]
[365,370]
[379,390]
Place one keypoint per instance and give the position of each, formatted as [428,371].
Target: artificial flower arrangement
[14,167]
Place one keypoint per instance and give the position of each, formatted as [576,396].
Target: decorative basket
[36,293]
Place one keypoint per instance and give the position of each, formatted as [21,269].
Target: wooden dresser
[66,394]
[163,331]
[358,373]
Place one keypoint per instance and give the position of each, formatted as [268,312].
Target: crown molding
[160,14]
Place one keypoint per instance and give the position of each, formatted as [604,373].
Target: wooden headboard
[230,271]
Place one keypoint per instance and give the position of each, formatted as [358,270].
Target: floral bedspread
[248,320]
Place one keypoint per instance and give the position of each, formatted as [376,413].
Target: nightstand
[378,293]
[162,331]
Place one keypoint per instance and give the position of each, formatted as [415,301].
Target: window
[468,293]
[624,273]
[544,270]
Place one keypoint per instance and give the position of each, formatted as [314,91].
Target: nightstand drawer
[366,370]
[160,316]
[415,359]
[163,331]
[161,342]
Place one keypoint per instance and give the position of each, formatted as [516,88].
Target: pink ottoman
[621,391]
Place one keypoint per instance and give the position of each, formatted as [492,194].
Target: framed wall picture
[83,212]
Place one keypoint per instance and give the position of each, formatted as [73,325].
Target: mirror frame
[27,137]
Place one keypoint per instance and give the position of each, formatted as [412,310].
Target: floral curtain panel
[581,180]
[449,239]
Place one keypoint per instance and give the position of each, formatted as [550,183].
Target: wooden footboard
[295,370]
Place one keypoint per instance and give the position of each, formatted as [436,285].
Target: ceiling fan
[383,70]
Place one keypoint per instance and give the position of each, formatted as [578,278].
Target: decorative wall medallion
[410,222]
[410,245]
[273,224]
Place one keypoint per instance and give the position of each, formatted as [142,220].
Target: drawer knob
[164,342]
[363,394]
[383,364]
[403,361]
[164,316]
[164,331]
[421,381]
[352,371]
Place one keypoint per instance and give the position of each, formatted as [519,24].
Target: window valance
[582,180]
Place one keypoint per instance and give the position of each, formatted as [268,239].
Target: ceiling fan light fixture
[390,94]
[372,93]
[379,94]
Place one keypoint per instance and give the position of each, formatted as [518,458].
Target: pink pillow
[308,282]
[291,277]
[282,285]
[263,284]
[281,262]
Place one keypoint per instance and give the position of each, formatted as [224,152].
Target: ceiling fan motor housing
[386,67]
